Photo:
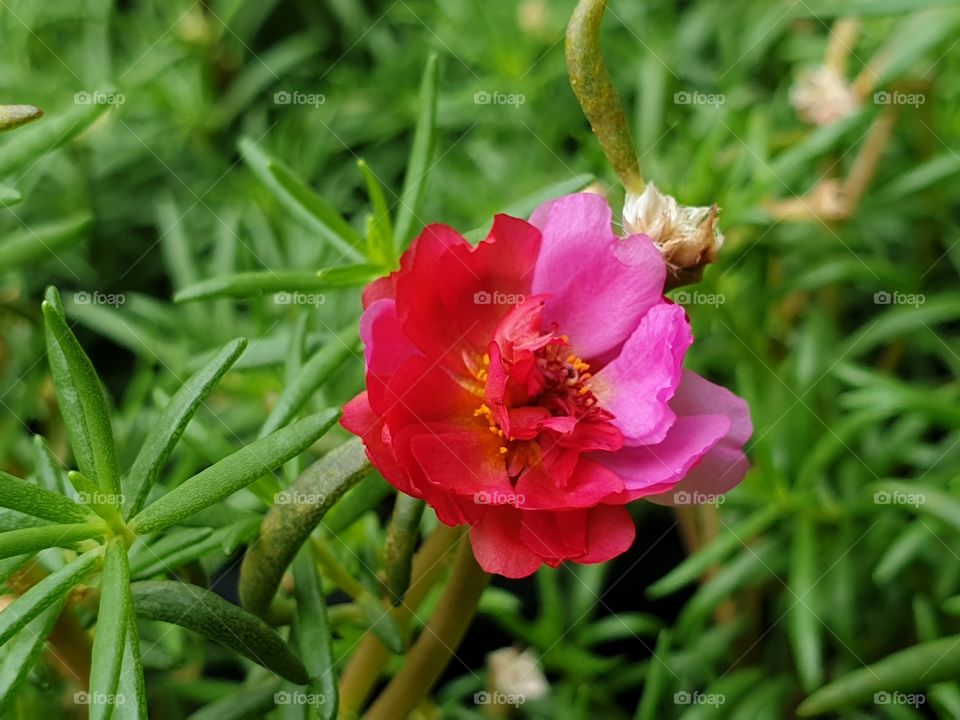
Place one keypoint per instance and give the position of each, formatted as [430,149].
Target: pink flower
[533,385]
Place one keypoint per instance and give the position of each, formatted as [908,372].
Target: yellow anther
[503,450]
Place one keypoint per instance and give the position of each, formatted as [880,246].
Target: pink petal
[385,347]
[610,532]
[454,295]
[723,467]
[588,484]
[638,384]
[653,468]
[464,462]
[497,546]
[600,286]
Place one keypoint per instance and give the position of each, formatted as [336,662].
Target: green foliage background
[840,549]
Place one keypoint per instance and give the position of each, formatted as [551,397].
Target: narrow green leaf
[210,615]
[402,536]
[364,498]
[656,680]
[314,373]
[313,634]
[901,551]
[323,212]
[14,116]
[9,196]
[47,468]
[31,540]
[380,239]
[31,499]
[300,200]
[918,499]
[177,253]
[421,156]
[26,146]
[132,687]
[754,562]
[246,703]
[233,472]
[620,626]
[915,668]
[714,552]
[43,241]
[22,652]
[185,546]
[168,428]
[254,78]
[46,592]
[731,687]
[283,283]
[110,639]
[295,514]
[804,628]
[82,400]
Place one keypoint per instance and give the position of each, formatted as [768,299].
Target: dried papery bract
[687,236]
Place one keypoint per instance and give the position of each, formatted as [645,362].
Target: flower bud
[822,96]
[517,673]
[688,237]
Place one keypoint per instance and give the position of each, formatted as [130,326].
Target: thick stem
[367,663]
[598,97]
[843,36]
[433,649]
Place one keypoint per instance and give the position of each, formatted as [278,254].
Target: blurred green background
[841,329]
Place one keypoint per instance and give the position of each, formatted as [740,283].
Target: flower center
[544,388]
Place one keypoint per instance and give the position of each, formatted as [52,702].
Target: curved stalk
[436,644]
[597,96]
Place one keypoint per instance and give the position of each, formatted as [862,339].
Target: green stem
[363,670]
[598,97]
[432,651]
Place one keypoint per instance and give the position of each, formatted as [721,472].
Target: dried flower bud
[822,96]
[688,237]
[517,673]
